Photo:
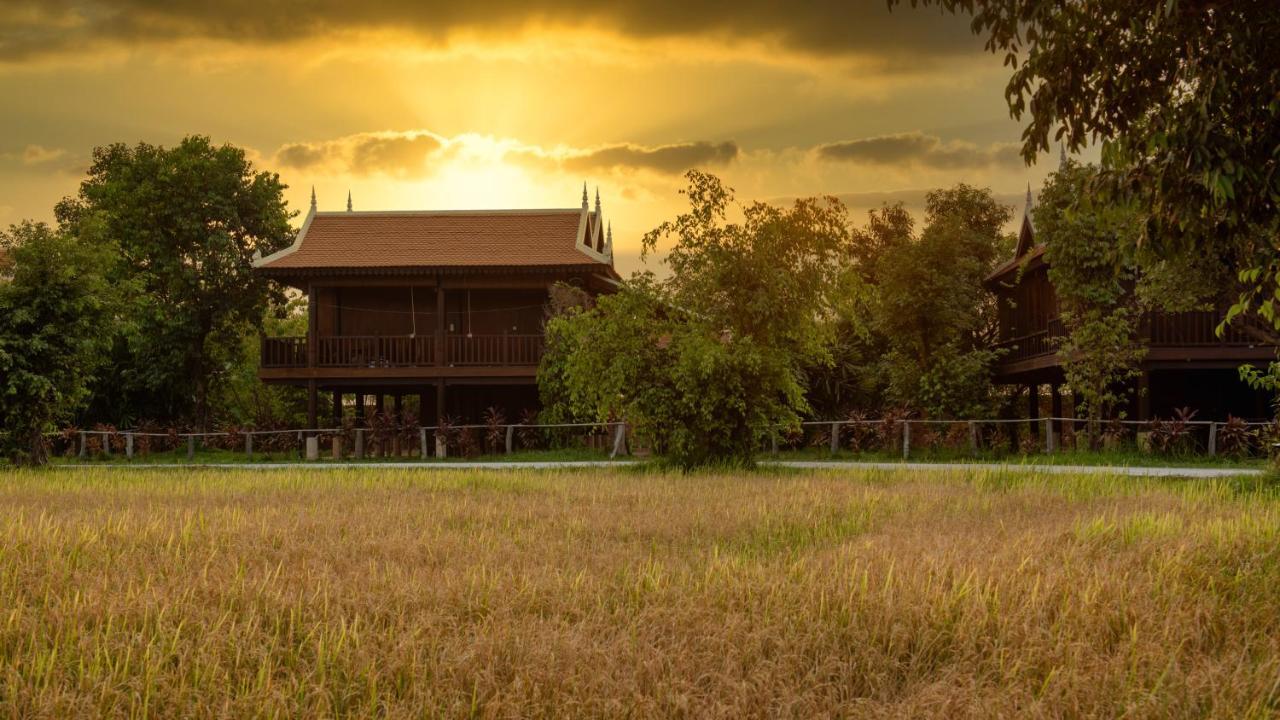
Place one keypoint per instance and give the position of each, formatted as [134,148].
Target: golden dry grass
[426,593]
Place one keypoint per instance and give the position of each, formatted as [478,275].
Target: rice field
[633,592]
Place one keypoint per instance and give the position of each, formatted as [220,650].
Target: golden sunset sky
[453,105]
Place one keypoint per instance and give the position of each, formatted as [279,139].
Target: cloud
[663,159]
[29,28]
[403,155]
[40,155]
[916,148]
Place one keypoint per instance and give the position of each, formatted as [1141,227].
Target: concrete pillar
[906,440]
[313,447]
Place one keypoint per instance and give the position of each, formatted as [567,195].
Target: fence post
[973,438]
[511,438]
[1213,439]
[1049,444]
[835,438]
[106,444]
[422,443]
[619,440]
[191,448]
[84,443]
[359,443]
[128,445]
[773,442]
[248,446]
[906,439]
[442,447]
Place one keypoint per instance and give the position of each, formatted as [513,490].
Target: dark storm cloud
[902,37]
[918,148]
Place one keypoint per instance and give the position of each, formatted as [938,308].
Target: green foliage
[1185,100]
[56,317]
[240,399]
[187,221]
[1090,244]
[930,306]
[708,362]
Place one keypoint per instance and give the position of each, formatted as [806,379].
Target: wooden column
[398,400]
[440,401]
[440,313]
[1055,407]
[359,409]
[379,403]
[423,418]
[1144,395]
[313,402]
[312,323]
[1033,410]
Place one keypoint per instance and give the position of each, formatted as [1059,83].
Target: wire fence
[886,436]
[1177,437]
[383,440]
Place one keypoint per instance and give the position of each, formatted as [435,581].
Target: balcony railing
[1197,328]
[404,351]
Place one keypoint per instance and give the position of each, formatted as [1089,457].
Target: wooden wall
[388,311]
[1027,307]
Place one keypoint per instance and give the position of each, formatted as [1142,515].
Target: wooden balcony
[1191,334]
[371,352]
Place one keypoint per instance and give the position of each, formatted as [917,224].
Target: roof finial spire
[597,203]
[313,198]
[608,238]
[348,201]
[1028,197]
[584,196]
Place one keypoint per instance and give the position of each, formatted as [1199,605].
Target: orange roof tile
[454,239]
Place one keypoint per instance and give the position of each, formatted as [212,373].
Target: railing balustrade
[359,351]
[284,352]
[1196,328]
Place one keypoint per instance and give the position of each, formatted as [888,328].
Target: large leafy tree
[1091,249]
[187,221]
[1184,98]
[56,318]
[708,362]
[930,306]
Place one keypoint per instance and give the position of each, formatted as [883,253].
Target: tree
[708,362]
[56,317]
[937,320]
[1092,256]
[1184,97]
[187,221]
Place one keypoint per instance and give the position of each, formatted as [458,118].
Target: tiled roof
[453,239]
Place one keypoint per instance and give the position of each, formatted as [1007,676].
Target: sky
[427,104]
